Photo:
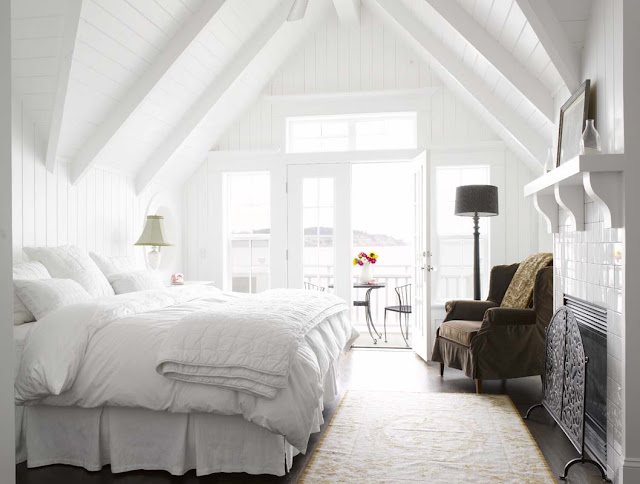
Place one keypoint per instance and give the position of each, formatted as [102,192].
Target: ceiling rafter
[348,11]
[399,17]
[88,154]
[71,22]
[503,60]
[212,95]
[552,36]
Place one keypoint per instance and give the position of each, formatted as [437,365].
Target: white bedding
[104,354]
[248,344]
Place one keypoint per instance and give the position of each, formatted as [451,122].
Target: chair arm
[467,310]
[508,317]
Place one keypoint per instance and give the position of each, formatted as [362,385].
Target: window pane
[248,222]
[352,131]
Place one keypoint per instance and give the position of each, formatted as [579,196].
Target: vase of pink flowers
[365,261]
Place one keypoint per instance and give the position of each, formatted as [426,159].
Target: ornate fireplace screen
[564,382]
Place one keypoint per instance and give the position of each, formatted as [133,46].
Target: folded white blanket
[248,344]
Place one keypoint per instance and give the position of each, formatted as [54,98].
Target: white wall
[101,213]
[585,266]
[368,58]
[7,442]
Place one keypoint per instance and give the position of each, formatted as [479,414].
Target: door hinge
[286,254]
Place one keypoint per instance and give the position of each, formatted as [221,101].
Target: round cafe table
[367,305]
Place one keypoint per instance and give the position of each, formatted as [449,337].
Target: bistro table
[367,305]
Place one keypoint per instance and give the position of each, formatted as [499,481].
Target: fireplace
[592,321]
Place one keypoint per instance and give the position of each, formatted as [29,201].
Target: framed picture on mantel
[573,115]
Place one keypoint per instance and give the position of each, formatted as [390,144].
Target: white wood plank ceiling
[141,70]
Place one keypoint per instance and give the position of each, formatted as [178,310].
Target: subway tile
[614,392]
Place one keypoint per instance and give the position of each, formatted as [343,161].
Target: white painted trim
[348,11]
[551,35]
[492,50]
[214,92]
[185,36]
[397,100]
[443,61]
[71,22]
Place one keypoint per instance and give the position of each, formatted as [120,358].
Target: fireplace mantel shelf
[597,176]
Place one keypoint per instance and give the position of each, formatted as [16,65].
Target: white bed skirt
[135,438]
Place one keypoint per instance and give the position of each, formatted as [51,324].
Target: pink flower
[360,263]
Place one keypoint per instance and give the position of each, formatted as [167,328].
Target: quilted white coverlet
[104,354]
[248,344]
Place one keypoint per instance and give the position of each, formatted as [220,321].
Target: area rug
[427,437]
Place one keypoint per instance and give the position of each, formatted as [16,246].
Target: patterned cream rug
[427,437]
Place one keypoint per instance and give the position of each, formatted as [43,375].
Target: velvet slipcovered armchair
[489,342]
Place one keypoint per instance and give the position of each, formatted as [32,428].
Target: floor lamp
[476,201]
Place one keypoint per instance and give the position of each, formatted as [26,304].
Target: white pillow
[69,262]
[135,281]
[26,271]
[115,265]
[46,295]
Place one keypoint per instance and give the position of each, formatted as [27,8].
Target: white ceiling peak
[348,11]
[185,36]
[553,38]
[71,21]
[212,95]
[496,54]
[451,69]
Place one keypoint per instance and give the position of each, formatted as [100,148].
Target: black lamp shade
[481,200]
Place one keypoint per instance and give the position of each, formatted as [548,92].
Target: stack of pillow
[60,276]
[124,274]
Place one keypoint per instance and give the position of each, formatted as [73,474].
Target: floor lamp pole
[476,257]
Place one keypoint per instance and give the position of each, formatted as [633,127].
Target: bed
[91,388]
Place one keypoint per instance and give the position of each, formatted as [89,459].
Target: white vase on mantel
[590,141]
[366,274]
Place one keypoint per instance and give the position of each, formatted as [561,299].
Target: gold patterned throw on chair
[520,290]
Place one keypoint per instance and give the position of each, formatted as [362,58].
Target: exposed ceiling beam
[88,154]
[348,11]
[496,54]
[553,38]
[71,21]
[212,95]
[446,63]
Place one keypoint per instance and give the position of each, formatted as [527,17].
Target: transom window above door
[352,132]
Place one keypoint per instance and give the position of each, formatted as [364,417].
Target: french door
[421,320]
[319,226]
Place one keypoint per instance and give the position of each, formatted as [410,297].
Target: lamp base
[153,258]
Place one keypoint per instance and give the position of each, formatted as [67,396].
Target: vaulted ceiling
[146,87]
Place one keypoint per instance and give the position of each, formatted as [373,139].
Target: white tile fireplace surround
[588,265]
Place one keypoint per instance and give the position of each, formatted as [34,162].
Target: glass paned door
[421,320]
[319,227]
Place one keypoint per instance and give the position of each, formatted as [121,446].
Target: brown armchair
[489,342]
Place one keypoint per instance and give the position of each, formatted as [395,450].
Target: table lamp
[153,235]
[476,201]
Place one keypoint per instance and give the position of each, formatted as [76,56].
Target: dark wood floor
[364,369]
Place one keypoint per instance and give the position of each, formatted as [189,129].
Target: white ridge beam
[496,54]
[444,61]
[212,95]
[140,90]
[551,35]
[348,11]
[71,21]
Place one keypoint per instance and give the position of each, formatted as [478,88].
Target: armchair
[489,342]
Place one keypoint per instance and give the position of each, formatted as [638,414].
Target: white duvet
[105,353]
[248,344]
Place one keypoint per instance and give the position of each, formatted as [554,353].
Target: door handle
[431,268]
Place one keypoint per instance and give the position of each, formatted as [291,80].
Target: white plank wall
[364,58]
[101,213]
[361,58]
